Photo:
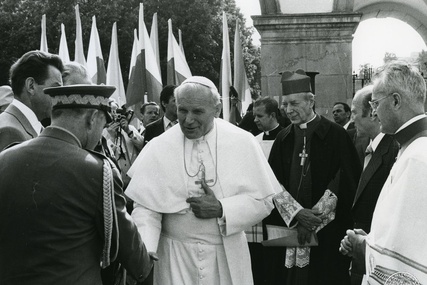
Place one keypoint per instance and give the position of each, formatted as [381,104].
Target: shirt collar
[346,125]
[304,125]
[414,119]
[376,141]
[29,114]
[268,132]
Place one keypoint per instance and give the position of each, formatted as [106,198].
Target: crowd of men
[96,193]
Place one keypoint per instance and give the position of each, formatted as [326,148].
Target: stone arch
[322,41]
[406,11]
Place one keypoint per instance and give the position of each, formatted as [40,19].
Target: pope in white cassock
[196,189]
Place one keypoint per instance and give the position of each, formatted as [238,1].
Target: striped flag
[43,40]
[225,74]
[78,51]
[63,46]
[114,72]
[154,38]
[95,60]
[177,67]
[241,83]
[145,76]
[181,45]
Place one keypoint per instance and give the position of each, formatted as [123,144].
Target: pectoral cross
[202,175]
[303,154]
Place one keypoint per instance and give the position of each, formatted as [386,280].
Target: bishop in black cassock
[308,157]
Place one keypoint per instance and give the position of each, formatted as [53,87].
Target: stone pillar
[314,42]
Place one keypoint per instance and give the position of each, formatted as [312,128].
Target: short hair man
[307,158]
[395,248]
[380,157]
[169,119]
[62,207]
[185,182]
[266,111]
[150,113]
[342,115]
[33,72]
[75,73]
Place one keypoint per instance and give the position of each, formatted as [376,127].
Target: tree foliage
[199,20]
[389,56]
[422,62]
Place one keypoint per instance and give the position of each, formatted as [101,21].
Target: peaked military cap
[81,96]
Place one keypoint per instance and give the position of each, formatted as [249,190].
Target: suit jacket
[51,215]
[153,130]
[14,127]
[372,181]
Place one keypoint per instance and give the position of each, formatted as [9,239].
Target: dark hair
[144,106]
[271,105]
[33,64]
[166,94]
[346,107]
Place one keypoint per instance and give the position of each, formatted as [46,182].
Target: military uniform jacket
[51,215]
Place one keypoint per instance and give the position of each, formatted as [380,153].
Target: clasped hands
[353,242]
[308,220]
[206,207]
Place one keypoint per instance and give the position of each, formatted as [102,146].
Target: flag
[95,60]
[225,74]
[177,67]
[78,51]
[145,76]
[154,38]
[241,83]
[181,45]
[43,40]
[63,46]
[114,72]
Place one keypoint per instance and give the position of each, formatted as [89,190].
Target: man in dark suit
[33,72]
[380,157]
[169,119]
[62,210]
[342,114]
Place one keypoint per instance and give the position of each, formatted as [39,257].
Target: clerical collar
[411,128]
[304,125]
[268,132]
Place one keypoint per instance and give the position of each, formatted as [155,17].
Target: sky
[372,39]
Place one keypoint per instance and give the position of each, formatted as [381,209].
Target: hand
[206,207]
[304,235]
[124,124]
[112,129]
[309,218]
[353,242]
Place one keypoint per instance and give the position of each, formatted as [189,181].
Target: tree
[389,56]
[199,20]
[422,62]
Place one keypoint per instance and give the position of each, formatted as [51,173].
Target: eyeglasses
[374,103]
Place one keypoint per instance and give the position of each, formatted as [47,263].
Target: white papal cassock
[193,250]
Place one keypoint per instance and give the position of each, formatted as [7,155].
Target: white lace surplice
[288,207]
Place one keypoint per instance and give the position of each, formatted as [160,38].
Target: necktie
[171,124]
[368,156]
